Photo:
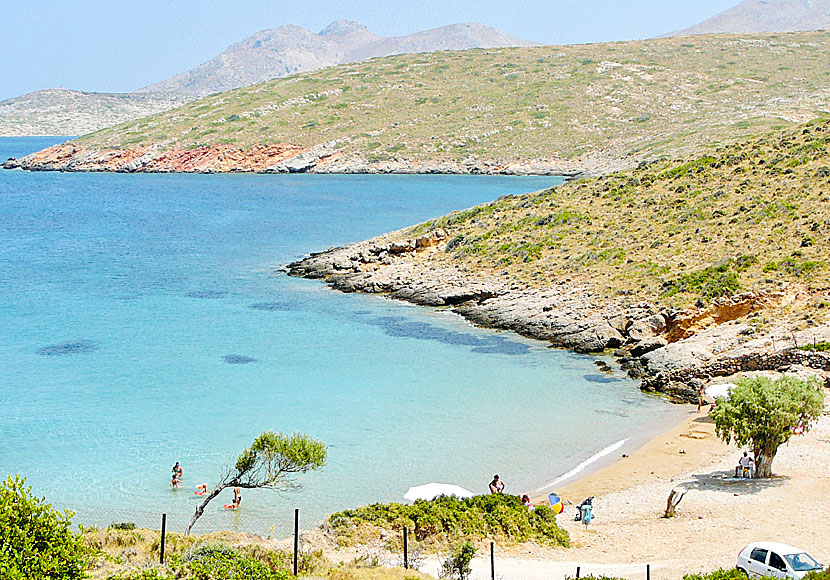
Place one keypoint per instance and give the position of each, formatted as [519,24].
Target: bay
[144,322]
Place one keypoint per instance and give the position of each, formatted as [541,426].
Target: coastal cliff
[687,269]
[287,158]
[674,351]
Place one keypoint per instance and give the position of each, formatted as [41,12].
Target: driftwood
[672,502]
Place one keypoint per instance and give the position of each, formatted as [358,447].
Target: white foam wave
[581,467]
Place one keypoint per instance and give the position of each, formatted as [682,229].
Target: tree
[270,462]
[35,539]
[764,413]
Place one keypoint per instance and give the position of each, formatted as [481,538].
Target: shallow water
[144,323]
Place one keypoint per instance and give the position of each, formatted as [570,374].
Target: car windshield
[802,562]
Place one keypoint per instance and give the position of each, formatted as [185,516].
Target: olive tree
[270,462]
[35,539]
[764,413]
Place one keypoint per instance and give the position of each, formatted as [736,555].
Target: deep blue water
[144,322]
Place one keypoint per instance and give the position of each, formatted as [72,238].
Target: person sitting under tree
[745,466]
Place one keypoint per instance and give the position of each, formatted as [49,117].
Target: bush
[448,519]
[35,539]
[730,574]
[457,566]
[214,562]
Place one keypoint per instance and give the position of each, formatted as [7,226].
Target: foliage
[122,525]
[269,462]
[721,574]
[447,519]
[818,575]
[35,539]
[763,413]
[817,347]
[457,565]
[712,282]
[216,562]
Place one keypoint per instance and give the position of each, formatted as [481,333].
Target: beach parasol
[429,491]
[556,503]
[719,391]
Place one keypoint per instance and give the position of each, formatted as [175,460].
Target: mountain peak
[751,16]
[341,26]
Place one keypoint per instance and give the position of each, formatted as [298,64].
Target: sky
[120,46]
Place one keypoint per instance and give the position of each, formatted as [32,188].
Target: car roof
[777,547]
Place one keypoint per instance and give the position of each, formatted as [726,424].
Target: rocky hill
[547,109]
[752,16]
[700,266]
[291,49]
[65,112]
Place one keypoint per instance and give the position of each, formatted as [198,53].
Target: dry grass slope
[749,216]
[630,100]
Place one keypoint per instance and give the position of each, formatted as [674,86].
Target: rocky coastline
[674,352]
[324,158]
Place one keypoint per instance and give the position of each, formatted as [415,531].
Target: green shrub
[217,561]
[35,539]
[122,525]
[449,519]
[816,347]
[457,566]
[729,574]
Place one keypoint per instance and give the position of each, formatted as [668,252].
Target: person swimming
[201,489]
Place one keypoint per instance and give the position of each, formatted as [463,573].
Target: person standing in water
[237,497]
[177,471]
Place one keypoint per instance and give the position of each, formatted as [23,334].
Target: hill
[65,112]
[701,266]
[288,50]
[571,109]
[752,16]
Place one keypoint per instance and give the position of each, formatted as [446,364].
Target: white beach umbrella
[429,491]
[719,391]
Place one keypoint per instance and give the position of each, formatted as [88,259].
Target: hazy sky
[118,46]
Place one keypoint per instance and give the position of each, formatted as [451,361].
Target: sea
[144,320]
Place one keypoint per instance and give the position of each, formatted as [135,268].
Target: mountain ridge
[755,16]
[291,49]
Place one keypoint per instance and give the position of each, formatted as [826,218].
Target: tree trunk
[201,509]
[763,460]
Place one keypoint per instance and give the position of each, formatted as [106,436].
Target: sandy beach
[714,521]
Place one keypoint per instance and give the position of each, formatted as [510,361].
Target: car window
[802,562]
[759,555]
[775,561]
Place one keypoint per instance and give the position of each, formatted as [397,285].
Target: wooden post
[492,561]
[577,571]
[405,548]
[648,571]
[296,538]
[163,534]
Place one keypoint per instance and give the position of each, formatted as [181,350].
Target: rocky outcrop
[283,158]
[157,159]
[682,383]
[671,350]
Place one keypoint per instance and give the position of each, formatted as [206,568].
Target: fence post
[577,571]
[405,548]
[163,534]
[296,537]
[492,561]
[648,571]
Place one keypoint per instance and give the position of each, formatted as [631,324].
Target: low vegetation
[637,99]
[36,540]
[749,216]
[447,520]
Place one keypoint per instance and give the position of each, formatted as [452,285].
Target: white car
[777,560]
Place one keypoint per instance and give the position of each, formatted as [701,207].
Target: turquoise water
[143,323]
